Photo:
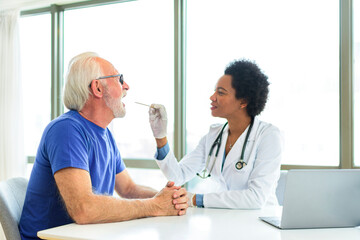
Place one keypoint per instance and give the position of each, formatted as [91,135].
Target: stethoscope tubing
[217,143]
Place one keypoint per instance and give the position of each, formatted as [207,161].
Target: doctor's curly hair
[250,83]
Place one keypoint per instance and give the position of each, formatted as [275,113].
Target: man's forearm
[102,209]
[85,207]
[139,191]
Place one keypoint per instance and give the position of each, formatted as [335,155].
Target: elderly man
[78,165]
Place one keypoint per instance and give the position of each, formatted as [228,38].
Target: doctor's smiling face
[224,104]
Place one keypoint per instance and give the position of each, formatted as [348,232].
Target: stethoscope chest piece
[240,164]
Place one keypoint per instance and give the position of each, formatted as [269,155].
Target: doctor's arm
[262,181]
[179,172]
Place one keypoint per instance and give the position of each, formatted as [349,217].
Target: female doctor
[242,156]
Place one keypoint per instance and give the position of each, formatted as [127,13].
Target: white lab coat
[253,186]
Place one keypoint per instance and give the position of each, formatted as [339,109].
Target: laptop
[320,199]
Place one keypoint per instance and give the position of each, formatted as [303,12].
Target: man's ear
[97,88]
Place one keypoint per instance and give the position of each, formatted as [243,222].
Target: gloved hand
[158,120]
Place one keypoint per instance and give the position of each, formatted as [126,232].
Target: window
[137,37]
[148,177]
[35,43]
[356,79]
[296,49]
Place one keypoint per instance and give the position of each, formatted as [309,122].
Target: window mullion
[179,78]
[57,43]
[346,96]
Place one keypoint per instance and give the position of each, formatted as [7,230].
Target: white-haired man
[78,165]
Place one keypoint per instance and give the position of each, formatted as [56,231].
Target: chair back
[12,196]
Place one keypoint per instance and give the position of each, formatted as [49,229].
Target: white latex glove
[158,120]
[190,196]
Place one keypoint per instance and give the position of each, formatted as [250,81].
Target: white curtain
[12,158]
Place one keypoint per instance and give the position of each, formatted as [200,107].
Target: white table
[198,224]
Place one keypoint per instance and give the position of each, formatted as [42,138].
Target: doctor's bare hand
[163,202]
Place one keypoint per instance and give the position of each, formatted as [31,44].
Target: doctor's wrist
[193,200]
[161,142]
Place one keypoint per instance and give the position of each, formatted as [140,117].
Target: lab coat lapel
[235,153]
[220,157]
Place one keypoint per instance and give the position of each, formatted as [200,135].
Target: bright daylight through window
[35,42]
[296,44]
[137,37]
[300,55]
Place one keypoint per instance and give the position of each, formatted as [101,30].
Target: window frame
[346,148]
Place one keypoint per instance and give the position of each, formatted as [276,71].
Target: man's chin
[120,114]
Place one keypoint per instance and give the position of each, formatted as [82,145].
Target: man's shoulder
[67,119]
[65,124]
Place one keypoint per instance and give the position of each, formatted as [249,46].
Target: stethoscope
[217,143]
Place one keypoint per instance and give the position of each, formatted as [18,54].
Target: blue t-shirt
[68,141]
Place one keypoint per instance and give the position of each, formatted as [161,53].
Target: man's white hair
[83,68]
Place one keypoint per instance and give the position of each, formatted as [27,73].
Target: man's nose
[125,86]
